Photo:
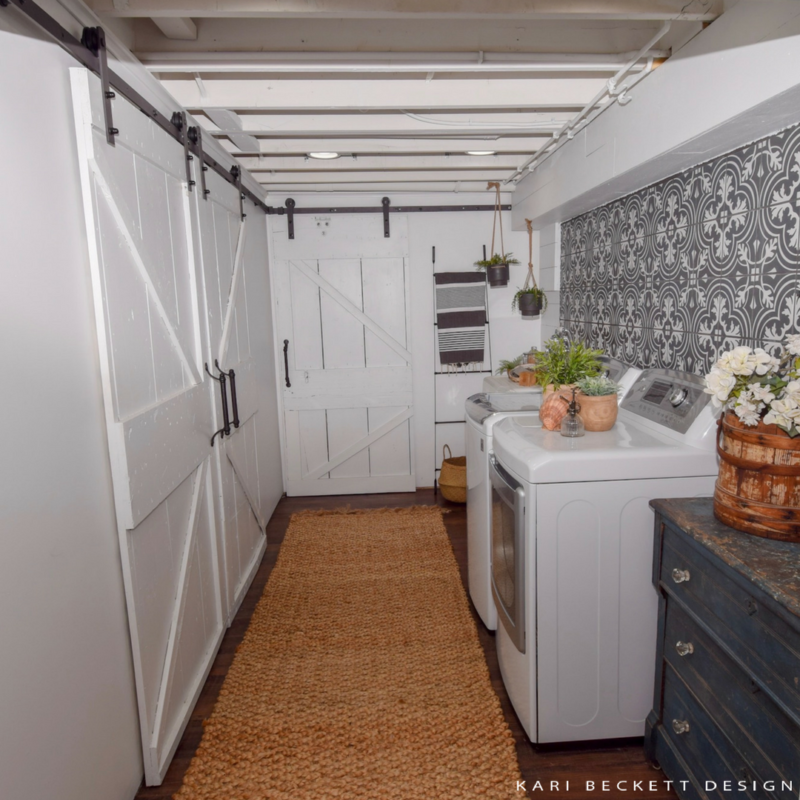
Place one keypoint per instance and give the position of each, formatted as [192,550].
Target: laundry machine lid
[481,406]
[664,430]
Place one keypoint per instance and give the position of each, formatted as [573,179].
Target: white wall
[735,82]
[459,238]
[550,277]
[68,724]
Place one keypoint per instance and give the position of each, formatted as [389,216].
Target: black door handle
[235,420]
[225,430]
[286,362]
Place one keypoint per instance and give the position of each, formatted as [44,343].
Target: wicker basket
[453,477]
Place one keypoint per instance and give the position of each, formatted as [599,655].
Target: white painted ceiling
[401,89]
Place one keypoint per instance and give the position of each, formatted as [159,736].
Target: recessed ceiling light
[324,155]
[481,152]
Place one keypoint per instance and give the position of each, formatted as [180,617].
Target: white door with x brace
[233,253]
[159,414]
[343,323]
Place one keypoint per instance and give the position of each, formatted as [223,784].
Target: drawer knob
[684,648]
[680,575]
[680,726]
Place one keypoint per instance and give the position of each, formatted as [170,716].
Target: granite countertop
[772,565]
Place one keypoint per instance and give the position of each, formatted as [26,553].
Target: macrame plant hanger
[530,281]
[498,212]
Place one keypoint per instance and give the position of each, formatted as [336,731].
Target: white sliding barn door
[343,305]
[234,259]
[158,414]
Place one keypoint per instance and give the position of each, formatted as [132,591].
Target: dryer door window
[508,556]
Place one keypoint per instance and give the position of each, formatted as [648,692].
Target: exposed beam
[366,62]
[230,120]
[400,93]
[394,9]
[299,163]
[181,28]
[376,133]
[559,110]
[388,147]
[380,176]
[390,187]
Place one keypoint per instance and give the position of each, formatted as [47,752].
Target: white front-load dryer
[484,411]
[572,553]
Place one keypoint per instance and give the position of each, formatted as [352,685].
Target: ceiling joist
[480,63]
[418,9]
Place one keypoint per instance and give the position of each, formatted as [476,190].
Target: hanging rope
[530,281]
[498,212]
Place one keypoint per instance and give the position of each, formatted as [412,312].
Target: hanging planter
[531,302]
[497,272]
[530,299]
[496,268]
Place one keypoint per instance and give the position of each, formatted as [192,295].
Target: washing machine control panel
[670,398]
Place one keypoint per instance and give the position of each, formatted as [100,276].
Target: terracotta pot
[758,489]
[598,413]
[497,275]
[530,305]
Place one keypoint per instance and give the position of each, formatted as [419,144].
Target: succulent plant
[598,386]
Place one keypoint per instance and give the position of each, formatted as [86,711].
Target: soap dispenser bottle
[572,425]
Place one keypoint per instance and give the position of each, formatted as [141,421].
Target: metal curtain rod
[92,61]
[380,209]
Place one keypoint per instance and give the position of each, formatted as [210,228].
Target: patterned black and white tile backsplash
[701,262]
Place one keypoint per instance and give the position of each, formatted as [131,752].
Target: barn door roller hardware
[94,58]
[179,121]
[290,209]
[385,203]
[94,40]
[237,182]
[222,380]
[195,136]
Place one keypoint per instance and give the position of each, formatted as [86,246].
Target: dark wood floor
[618,760]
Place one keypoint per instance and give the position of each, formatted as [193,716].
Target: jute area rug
[360,676]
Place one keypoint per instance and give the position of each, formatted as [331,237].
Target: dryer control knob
[678,396]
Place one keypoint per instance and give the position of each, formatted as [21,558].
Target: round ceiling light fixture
[481,152]
[324,155]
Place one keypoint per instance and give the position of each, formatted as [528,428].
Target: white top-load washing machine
[572,550]
[483,412]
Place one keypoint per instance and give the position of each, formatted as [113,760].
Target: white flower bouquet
[755,385]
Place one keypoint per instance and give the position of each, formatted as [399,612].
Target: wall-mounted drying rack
[437,372]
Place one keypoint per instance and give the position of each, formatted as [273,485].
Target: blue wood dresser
[727,687]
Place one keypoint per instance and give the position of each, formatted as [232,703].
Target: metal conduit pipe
[612,90]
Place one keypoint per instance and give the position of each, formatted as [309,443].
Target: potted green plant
[564,364]
[599,402]
[507,366]
[531,302]
[558,368]
[497,268]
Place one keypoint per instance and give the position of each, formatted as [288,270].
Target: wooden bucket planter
[758,488]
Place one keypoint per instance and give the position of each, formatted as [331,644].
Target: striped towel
[461,317]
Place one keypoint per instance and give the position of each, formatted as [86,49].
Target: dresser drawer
[739,620]
[767,739]
[707,753]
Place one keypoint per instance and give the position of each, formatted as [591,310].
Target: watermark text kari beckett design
[650,786]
